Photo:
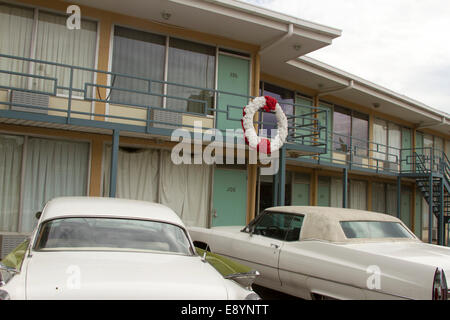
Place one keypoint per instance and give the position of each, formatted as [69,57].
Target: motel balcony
[53,95]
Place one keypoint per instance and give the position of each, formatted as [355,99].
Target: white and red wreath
[262,144]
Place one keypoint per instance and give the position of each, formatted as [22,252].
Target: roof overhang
[330,81]
[230,19]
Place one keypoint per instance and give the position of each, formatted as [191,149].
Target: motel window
[379,197]
[48,169]
[146,60]
[16,25]
[191,64]
[384,198]
[358,194]
[387,141]
[285,98]
[348,123]
[140,54]
[37,34]
[150,175]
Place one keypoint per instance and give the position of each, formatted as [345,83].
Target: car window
[278,225]
[374,229]
[112,234]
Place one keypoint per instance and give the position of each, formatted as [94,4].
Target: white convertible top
[108,207]
[323,222]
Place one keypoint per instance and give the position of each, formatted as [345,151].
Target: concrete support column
[430,210]
[275,187]
[282,174]
[114,161]
[345,188]
[441,214]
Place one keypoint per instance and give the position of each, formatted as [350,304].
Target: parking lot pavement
[269,294]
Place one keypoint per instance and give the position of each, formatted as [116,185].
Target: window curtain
[52,169]
[360,133]
[336,192]
[56,43]
[137,174]
[341,129]
[16,25]
[358,195]
[10,179]
[379,197]
[427,143]
[140,54]
[380,139]
[191,64]
[186,189]
[395,142]
[183,188]
[391,199]
[438,149]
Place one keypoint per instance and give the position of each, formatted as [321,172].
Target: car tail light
[440,290]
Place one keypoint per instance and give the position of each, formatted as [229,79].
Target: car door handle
[274,245]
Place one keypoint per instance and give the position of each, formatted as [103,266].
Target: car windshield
[112,234]
[374,229]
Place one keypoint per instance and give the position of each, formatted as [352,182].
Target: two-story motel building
[90,111]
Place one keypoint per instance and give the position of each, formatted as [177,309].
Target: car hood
[412,251]
[121,275]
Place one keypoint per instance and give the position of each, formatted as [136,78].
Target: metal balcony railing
[137,104]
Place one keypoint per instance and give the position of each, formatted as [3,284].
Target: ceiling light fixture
[166,15]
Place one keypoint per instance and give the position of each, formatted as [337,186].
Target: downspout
[288,34]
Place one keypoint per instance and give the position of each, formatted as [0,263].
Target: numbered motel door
[233,75]
[229,197]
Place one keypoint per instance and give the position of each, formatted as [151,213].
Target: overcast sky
[403,45]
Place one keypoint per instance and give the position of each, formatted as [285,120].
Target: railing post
[441,213]
[430,209]
[275,180]
[345,188]
[351,152]
[399,197]
[114,161]
[69,102]
[282,172]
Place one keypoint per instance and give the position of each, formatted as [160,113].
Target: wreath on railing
[262,144]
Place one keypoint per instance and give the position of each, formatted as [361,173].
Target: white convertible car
[105,248]
[331,253]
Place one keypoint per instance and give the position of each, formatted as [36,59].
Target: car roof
[339,214]
[323,222]
[108,207]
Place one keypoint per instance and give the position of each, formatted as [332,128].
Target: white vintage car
[105,248]
[333,253]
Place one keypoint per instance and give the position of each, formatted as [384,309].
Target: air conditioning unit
[167,117]
[31,99]
[391,166]
[8,242]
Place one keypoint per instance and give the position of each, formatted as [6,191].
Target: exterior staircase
[432,173]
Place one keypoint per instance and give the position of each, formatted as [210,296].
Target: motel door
[233,76]
[300,190]
[229,197]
